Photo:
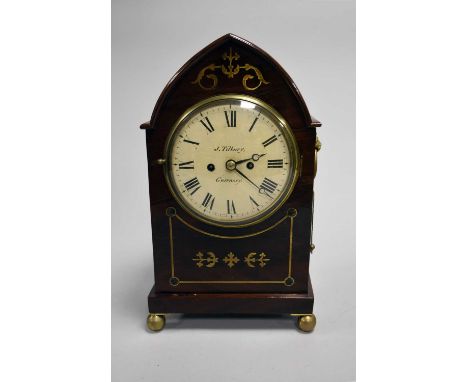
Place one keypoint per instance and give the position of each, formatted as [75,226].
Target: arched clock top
[231,64]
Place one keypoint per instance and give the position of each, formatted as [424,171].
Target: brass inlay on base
[174,281]
[252,259]
[208,261]
[231,259]
[234,237]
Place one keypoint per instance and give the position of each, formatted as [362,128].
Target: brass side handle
[318,146]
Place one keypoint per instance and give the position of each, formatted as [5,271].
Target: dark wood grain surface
[231,303]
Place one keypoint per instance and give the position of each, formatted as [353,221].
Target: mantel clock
[232,156]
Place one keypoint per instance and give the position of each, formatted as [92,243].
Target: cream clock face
[231,160]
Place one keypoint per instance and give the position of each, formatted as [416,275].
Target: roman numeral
[253,201]
[231,209]
[269,141]
[268,185]
[206,122]
[253,124]
[191,142]
[275,163]
[208,198]
[186,165]
[192,184]
[231,121]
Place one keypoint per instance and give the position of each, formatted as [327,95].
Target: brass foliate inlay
[252,259]
[231,259]
[208,261]
[208,80]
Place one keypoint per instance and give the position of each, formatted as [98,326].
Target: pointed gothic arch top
[231,64]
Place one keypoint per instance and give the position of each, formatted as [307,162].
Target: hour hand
[254,157]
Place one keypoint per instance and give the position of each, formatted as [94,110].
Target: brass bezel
[290,140]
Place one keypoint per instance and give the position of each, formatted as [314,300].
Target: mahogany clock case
[283,285]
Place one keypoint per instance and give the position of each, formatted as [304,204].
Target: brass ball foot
[306,323]
[155,322]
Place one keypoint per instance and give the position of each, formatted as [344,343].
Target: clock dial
[232,160]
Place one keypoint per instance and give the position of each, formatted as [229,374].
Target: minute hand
[245,177]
